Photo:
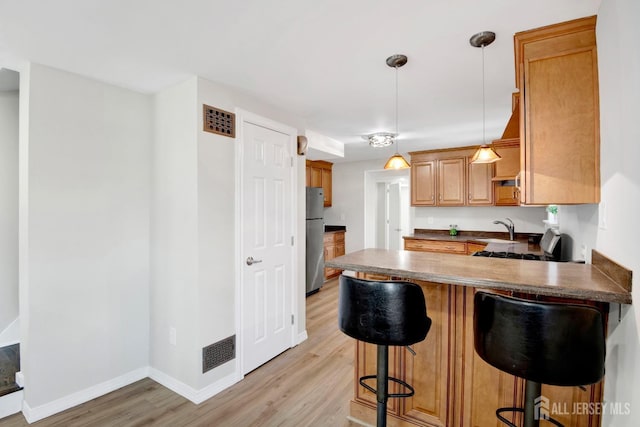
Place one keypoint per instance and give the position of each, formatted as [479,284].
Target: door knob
[251,261]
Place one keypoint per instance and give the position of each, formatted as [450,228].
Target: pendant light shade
[486,153]
[396,161]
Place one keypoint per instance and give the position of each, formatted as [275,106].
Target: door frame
[371,179]
[243,117]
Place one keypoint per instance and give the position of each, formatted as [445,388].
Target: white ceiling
[323,60]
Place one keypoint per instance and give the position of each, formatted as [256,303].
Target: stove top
[512,255]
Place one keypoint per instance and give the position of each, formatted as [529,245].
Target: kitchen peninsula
[454,386]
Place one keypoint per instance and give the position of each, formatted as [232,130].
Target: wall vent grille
[219,121]
[218,353]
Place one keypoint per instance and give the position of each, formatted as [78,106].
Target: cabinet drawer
[435,246]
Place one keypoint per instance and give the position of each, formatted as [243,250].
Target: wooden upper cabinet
[479,184]
[423,183]
[451,182]
[445,178]
[557,74]
[320,174]
[506,193]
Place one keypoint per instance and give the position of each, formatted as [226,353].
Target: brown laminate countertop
[519,245]
[560,279]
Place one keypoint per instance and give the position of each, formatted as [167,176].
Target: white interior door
[267,230]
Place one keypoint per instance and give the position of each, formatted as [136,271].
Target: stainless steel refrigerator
[315,236]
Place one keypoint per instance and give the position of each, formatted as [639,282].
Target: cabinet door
[506,195]
[423,183]
[567,404]
[508,167]
[423,245]
[327,185]
[329,253]
[429,372]
[316,177]
[561,142]
[366,356]
[479,184]
[475,247]
[484,388]
[451,182]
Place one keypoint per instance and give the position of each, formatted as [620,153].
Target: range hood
[508,146]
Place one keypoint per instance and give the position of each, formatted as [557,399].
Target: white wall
[193,237]
[526,219]
[348,208]
[619,68]
[174,234]
[8,209]
[84,234]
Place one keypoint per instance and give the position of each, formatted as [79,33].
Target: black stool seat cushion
[549,343]
[382,312]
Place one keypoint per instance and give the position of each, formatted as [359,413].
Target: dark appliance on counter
[550,244]
[314,240]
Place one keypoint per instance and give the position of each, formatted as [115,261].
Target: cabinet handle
[440,197]
[518,179]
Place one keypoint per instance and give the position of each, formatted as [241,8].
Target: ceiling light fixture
[486,153]
[396,161]
[380,139]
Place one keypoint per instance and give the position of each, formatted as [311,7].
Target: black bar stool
[383,313]
[542,342]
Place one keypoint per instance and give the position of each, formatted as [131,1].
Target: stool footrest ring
[499,411]
[395,380]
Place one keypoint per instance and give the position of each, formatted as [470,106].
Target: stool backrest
[382,312]
[549,343]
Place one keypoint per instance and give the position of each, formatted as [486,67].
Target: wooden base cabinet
[333,247]
[453,385]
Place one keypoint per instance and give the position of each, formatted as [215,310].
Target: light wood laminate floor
[308,385]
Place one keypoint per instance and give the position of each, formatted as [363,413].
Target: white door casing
[265,295]
[394,228]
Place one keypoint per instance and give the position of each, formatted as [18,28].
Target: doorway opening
[387,208]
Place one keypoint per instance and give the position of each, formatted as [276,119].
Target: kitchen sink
[496,240]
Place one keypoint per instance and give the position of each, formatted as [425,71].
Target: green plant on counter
[552,209]
[453,230]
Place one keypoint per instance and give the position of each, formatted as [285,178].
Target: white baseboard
[59,405]
[196,396]
[11,403]
[302,337]
[188,392]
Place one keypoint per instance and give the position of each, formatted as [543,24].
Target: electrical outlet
[583,252]
[172,336]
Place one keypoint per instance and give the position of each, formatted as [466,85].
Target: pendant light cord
[397,134]
[483,101]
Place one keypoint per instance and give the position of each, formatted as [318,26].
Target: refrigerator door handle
[251,261]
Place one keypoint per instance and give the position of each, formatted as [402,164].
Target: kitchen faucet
[509,226]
